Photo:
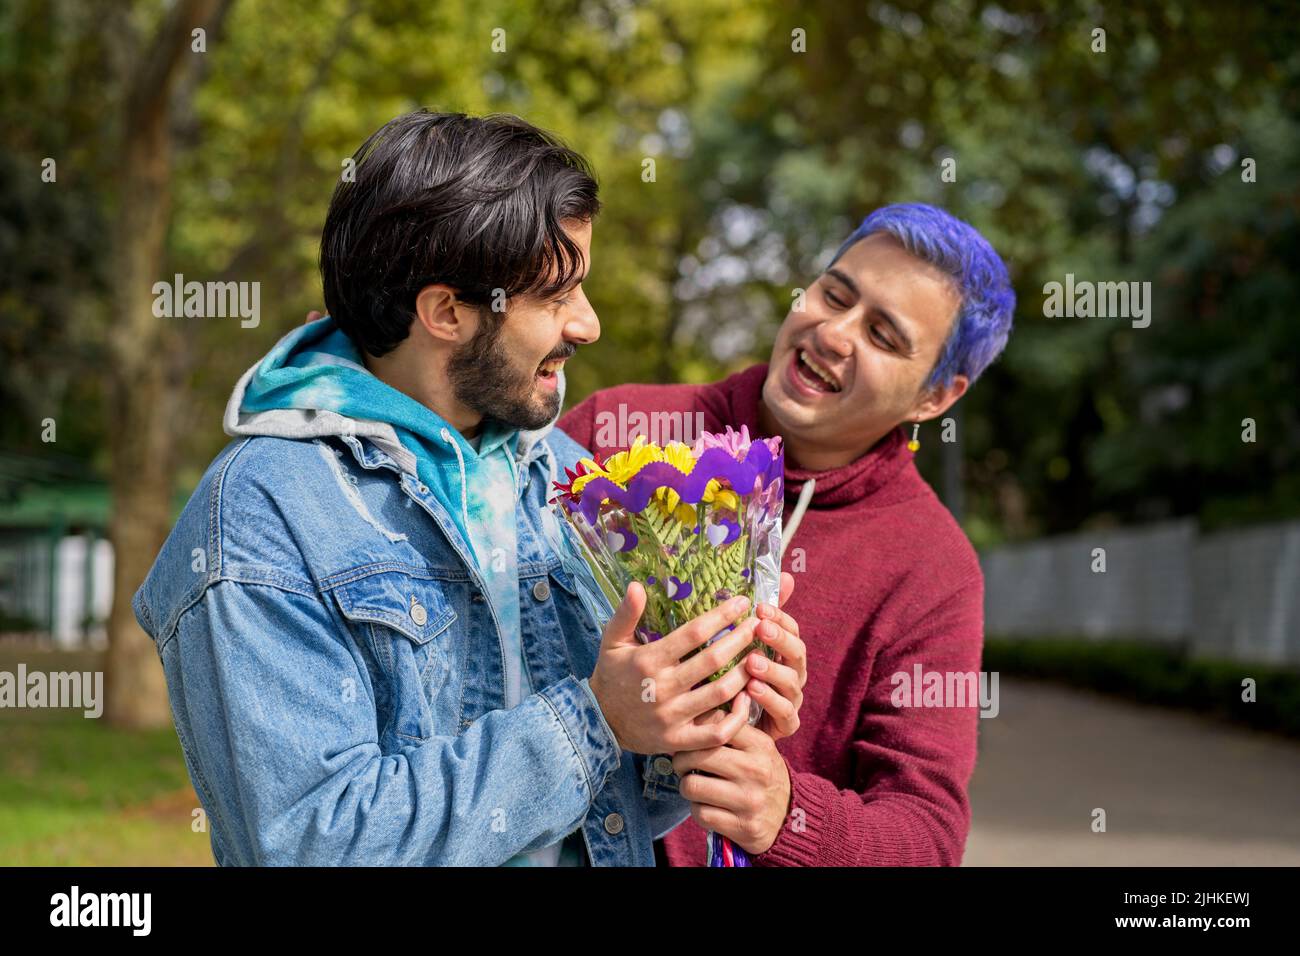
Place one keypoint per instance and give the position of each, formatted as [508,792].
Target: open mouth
[547,371]
[812,375]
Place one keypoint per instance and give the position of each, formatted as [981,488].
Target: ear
[443,316]
[936,400]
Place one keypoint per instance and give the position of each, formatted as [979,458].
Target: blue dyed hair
[983,322]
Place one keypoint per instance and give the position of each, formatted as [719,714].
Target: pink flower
[736,443]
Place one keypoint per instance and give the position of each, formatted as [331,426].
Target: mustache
[566,350]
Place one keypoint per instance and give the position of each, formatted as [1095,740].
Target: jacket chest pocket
[402,620]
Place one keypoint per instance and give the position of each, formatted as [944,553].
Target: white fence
[1230,595]
[64,586]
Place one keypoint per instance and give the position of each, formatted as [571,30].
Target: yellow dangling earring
[913,445]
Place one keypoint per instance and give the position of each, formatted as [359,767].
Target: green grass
[76,791]
[1151,674]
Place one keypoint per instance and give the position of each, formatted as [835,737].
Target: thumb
[313,315]
[621,628]
[787,588]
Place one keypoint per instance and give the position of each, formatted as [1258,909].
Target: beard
[484,378]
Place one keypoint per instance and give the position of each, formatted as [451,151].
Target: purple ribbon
[759,467]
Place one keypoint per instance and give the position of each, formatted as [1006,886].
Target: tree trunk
[141,383]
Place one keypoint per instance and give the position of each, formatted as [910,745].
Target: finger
[708,698]
[787,588]
[714,791]
[790,648]
[313,315]
[720,821]
[717,655]
[782,712]
[712,717]
[749,739]
[695,632]
[781,677]
[717,734]
[716,760]
[621,629]
[780,618]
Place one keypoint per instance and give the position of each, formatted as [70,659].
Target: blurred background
[737,144]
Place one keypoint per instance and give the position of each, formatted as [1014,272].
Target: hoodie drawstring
[460,459]
[791,526]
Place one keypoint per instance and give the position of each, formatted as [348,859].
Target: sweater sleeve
[911,765]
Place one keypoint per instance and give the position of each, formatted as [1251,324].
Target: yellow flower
[680,457]
[623,467]
[722,497]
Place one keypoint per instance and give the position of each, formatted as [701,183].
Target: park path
[1178,789]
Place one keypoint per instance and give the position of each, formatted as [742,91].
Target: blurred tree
[217,164]
[737,144]
[142,374]
[1213,426]
[1064,154]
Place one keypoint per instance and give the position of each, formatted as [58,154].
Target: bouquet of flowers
[696,526]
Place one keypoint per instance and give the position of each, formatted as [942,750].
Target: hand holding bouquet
[696,526]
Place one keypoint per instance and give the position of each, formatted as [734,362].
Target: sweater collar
[858,480]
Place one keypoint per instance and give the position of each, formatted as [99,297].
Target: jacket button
[418,614]
[541,590]
[614,824]
[663,765]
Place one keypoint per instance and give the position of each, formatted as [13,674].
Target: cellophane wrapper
[690,546]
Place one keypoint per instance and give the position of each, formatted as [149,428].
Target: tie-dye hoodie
[313,384]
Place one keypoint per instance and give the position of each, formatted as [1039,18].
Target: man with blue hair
[912,309]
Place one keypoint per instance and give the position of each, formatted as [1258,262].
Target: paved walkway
[1178,789]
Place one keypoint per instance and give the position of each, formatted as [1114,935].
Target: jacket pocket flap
[562,577]
[414,606]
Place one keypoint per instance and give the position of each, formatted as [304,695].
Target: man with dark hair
[379,647]
[912,309]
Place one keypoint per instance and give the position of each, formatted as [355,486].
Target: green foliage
[667,547]
[1222,348]
[1100,164]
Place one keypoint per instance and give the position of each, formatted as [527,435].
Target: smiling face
[508,370]
[853,363]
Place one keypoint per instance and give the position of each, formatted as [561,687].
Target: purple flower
[722,532]
[621,539]
[678,590]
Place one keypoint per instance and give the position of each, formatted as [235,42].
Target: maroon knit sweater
[884,580]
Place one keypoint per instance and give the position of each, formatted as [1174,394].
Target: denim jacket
[336,675]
